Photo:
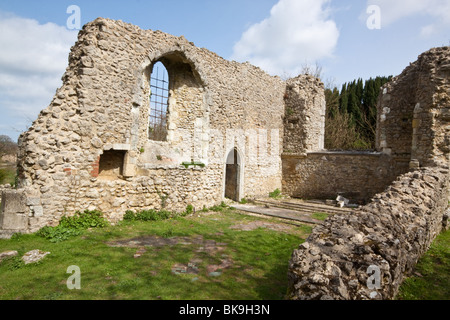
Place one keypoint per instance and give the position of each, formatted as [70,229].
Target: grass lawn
[320,216]
[431,279]
[222,255]
[217,255]
[7,173]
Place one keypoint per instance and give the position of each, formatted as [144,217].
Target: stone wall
[5,187]
[101,111]
[323,175]
[366,254]
[304,121]
[413,111]
[388,235]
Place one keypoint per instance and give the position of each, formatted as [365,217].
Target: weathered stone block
[34,256]
[33,201]
[14,211]
[14,202]
[14,221]
[38,211]
[8,254]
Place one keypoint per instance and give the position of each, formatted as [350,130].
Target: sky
[347,39]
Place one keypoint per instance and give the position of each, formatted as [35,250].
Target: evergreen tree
[369,99]
[359,90]
[343,99]
[354,107]
[332,102]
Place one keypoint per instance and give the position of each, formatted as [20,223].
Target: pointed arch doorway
[233,175]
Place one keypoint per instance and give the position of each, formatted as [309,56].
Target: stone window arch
[187,113]
[159,102]
[183,92]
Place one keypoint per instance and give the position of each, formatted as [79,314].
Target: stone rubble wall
[304,121]
[414,111]
[103,105]
[5,187]
[357,176]
[391,233]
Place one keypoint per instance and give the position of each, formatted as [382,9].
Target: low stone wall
[355,175]
[367,253]
[5,187]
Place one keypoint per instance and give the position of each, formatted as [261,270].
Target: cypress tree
[359,90]
[343,100]
[332,102]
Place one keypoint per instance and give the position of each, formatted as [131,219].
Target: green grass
[258,271]
[8,176]
[431,279]
[276,194]
[320,216]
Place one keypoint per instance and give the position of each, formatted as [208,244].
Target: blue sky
[280,36]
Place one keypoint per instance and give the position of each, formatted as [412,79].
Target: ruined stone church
[214,129]
[145,120]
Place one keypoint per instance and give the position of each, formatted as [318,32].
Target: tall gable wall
[99,117]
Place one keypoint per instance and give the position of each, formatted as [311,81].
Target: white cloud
[33,58]
[297,32]
[395,10]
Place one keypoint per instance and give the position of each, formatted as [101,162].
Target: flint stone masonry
[90,150]
[102,109]
[391,233]
[357,176]
[304,121]
[414,108]
[4,187]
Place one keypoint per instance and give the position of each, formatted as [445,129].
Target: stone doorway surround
[233,176]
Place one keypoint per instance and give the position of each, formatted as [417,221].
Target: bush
[129,215]
[58,234]
[85,220]
[220,207]
[147,215]
[73,226]
[342,134]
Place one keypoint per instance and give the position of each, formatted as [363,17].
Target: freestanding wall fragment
[388,235]
[413,111]
[304,120]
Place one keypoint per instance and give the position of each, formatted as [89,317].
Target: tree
[332,102]
[7,146]
[352,124]
[343,99]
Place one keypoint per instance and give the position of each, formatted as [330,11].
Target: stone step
[304,207]
[276,212]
